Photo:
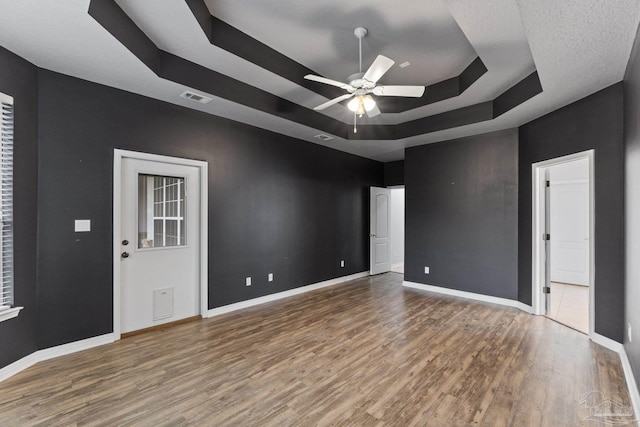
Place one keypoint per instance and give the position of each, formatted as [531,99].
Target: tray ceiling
[534,57]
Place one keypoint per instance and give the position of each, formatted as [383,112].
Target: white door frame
[118,156]
[538,219]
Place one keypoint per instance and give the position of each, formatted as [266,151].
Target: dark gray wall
[276,204]
[394,173]
[18,78]
[595,122]
[632,205]
[462,214]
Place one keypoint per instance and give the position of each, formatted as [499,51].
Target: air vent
[323,137]
[196,97]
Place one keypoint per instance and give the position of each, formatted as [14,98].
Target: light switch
[83,225]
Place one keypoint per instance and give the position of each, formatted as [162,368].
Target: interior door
[570,232]
[380,243]
[160,232]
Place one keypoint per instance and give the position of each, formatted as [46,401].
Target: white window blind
[6,202]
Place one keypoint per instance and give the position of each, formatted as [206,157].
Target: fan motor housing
[358,82]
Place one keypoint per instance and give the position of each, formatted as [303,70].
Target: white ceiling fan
[362,85]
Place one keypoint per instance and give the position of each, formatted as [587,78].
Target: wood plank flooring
[365,353]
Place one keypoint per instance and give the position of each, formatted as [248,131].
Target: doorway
[396,229]
[160,240]
[387,230]
[563,240]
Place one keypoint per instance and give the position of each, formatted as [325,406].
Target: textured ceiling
[577,47]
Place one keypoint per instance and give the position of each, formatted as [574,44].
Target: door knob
[125,255]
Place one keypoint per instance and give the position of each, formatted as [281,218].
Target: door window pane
[161,208]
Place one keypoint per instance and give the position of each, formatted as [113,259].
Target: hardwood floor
[365,353]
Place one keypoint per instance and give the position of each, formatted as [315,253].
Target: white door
[379,235]
[160,243]
[570,232]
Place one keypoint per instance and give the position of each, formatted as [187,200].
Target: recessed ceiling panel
[320,36]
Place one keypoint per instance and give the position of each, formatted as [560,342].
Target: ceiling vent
[196,97]
[323,137]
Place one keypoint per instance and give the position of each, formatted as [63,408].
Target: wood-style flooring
[364,353]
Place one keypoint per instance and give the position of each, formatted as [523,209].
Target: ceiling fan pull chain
[355,118]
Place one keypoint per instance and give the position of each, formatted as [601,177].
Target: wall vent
[323,137]
[196,97]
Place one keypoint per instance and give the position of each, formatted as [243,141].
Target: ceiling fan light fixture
[354,104]
[361,103]
[368,102]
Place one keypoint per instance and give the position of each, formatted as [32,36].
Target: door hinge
[546,290]
[546,236]
[548,183]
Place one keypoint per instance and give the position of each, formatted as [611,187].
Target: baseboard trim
[280,295]
[53,352]
[160,326]
[469,295]
[631,382]
[607,342]
[632,385]
[18,366]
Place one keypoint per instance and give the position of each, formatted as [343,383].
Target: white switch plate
[426,270]
[248,281]
[270,277]
[83,225]
[342,263]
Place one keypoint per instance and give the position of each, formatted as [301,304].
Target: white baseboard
[632,386]
[52,352]
[469,295]
[607,342]
[631,383]
[18,366]
[285,294]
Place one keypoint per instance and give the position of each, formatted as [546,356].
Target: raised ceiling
[488,65]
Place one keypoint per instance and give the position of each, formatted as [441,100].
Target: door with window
[160,241]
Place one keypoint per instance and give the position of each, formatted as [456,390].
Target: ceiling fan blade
[373,112]
[333,101]
[380,66]
[409,91]
[325,80]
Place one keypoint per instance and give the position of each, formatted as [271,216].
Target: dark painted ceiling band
[234,41]
[170,67]
[526,89]
[179,70]
[522,91]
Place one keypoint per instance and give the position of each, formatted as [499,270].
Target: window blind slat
[6,205]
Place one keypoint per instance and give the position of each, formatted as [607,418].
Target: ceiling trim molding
[171,67]
[227,37]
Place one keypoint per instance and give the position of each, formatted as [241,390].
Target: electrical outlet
[248,281]
[270,278]
[629,331]
[342,263]
[426,270]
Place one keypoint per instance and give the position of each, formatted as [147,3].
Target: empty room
[249,213]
